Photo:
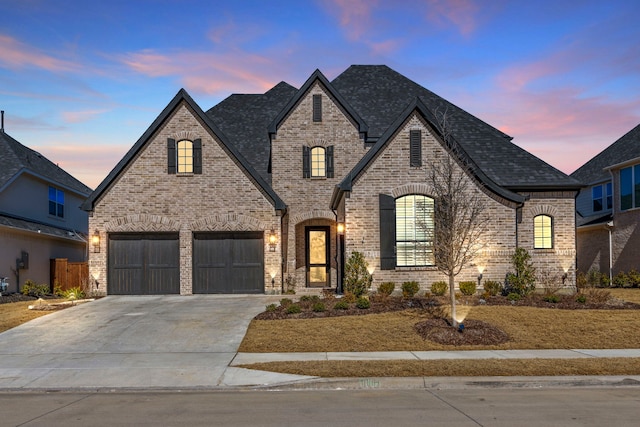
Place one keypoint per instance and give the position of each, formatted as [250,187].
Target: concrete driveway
[135,342]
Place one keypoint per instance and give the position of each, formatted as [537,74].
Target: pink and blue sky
[80,81]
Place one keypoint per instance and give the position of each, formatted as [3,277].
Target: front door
[317,242]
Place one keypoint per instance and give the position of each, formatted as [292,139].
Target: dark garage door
[228,263]
[144,264]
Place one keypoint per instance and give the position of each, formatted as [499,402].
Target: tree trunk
[452,294]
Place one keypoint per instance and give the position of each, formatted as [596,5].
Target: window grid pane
[542,232]
[626,186]
[596,193]
[56,202]
[318,162]
[414,231]
[609,188]
[185,157]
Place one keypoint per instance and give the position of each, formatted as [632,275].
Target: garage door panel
[228,262]
[144,264]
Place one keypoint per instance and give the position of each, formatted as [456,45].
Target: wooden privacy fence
[69,275]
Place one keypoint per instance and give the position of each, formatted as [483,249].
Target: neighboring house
[608,218]
[40,215]
[269,190]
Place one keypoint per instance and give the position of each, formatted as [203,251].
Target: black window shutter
[197,156]
[171,156]
[415,147]
[317,108]
[329,154]
[387,232]
[306,162]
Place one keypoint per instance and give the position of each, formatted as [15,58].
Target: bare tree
[459,219]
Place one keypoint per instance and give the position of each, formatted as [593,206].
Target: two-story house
[40,215]
[608,236]
[266,191]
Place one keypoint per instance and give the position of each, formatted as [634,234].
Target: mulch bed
[16,297]
[475,332]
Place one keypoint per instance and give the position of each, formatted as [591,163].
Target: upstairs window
[56,202]
[609,195]
[596,194]
[317,162]
[630,187]
[543,232]
[602,197]
[184,157]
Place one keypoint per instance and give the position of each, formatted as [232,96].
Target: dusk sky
[81,81]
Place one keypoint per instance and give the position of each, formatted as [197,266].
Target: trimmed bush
[552,298]
[31,288]
[349,297]
[271,308]
[318,307]
[581,298]
[341,305]
[634,278]
[513,296]
[409,289]
[386,288]
[467,288]
[363,303]
[492,287]
[293,309]
[620,280]
[439,288]
[285,302]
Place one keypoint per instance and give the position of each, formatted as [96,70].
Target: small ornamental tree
[523,281]
[356,276]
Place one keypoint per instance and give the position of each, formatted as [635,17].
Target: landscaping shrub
[32,289]
[285,302]
[597,296]
[271,308]
[581,280]
[523,281]
[552,298]
[328,294]
[620,280]
[634,278]
[356,276]
[341,305]
[363,303]
[349,297]
[597,280]
[513,296]
[293,309]
[439,288]
[74,293]
[492,287]
[409,289]
[581,298]
[386,288]
[318,307]
[467,288]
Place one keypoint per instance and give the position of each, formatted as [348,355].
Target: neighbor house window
[414,230]
[184,157]
[596,193]
[543,232]
[317,162]
[630,187]
[609,194]
[56,202]
[602,197]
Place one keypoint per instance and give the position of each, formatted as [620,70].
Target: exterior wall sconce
[273,239]
[341,228]
[95,241]
[479,279]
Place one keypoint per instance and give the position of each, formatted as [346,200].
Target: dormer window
[185,156]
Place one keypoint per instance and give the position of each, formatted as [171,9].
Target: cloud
[460,13]
[15,54]
[80,116]
[354,16]
[209,73]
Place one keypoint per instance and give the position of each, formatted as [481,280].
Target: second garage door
[228,263]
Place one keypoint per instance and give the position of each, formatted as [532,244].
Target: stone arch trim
[186,134]
[317,142]
[413,188]
[549,210]
[142,222]
[316,213]
[229,222]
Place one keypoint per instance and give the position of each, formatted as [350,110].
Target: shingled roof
[15,159]
[380,95]
[624,149]
[244,119]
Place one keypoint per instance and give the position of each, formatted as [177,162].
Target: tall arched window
[318,167]
[185,156]
[543,232]
[414,230]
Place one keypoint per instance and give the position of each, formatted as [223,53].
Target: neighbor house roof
[16,159]
[625,148]
[183,96]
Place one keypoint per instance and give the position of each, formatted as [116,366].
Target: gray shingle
[625,148]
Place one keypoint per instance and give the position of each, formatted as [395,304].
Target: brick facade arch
[229,222]
[142,223]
